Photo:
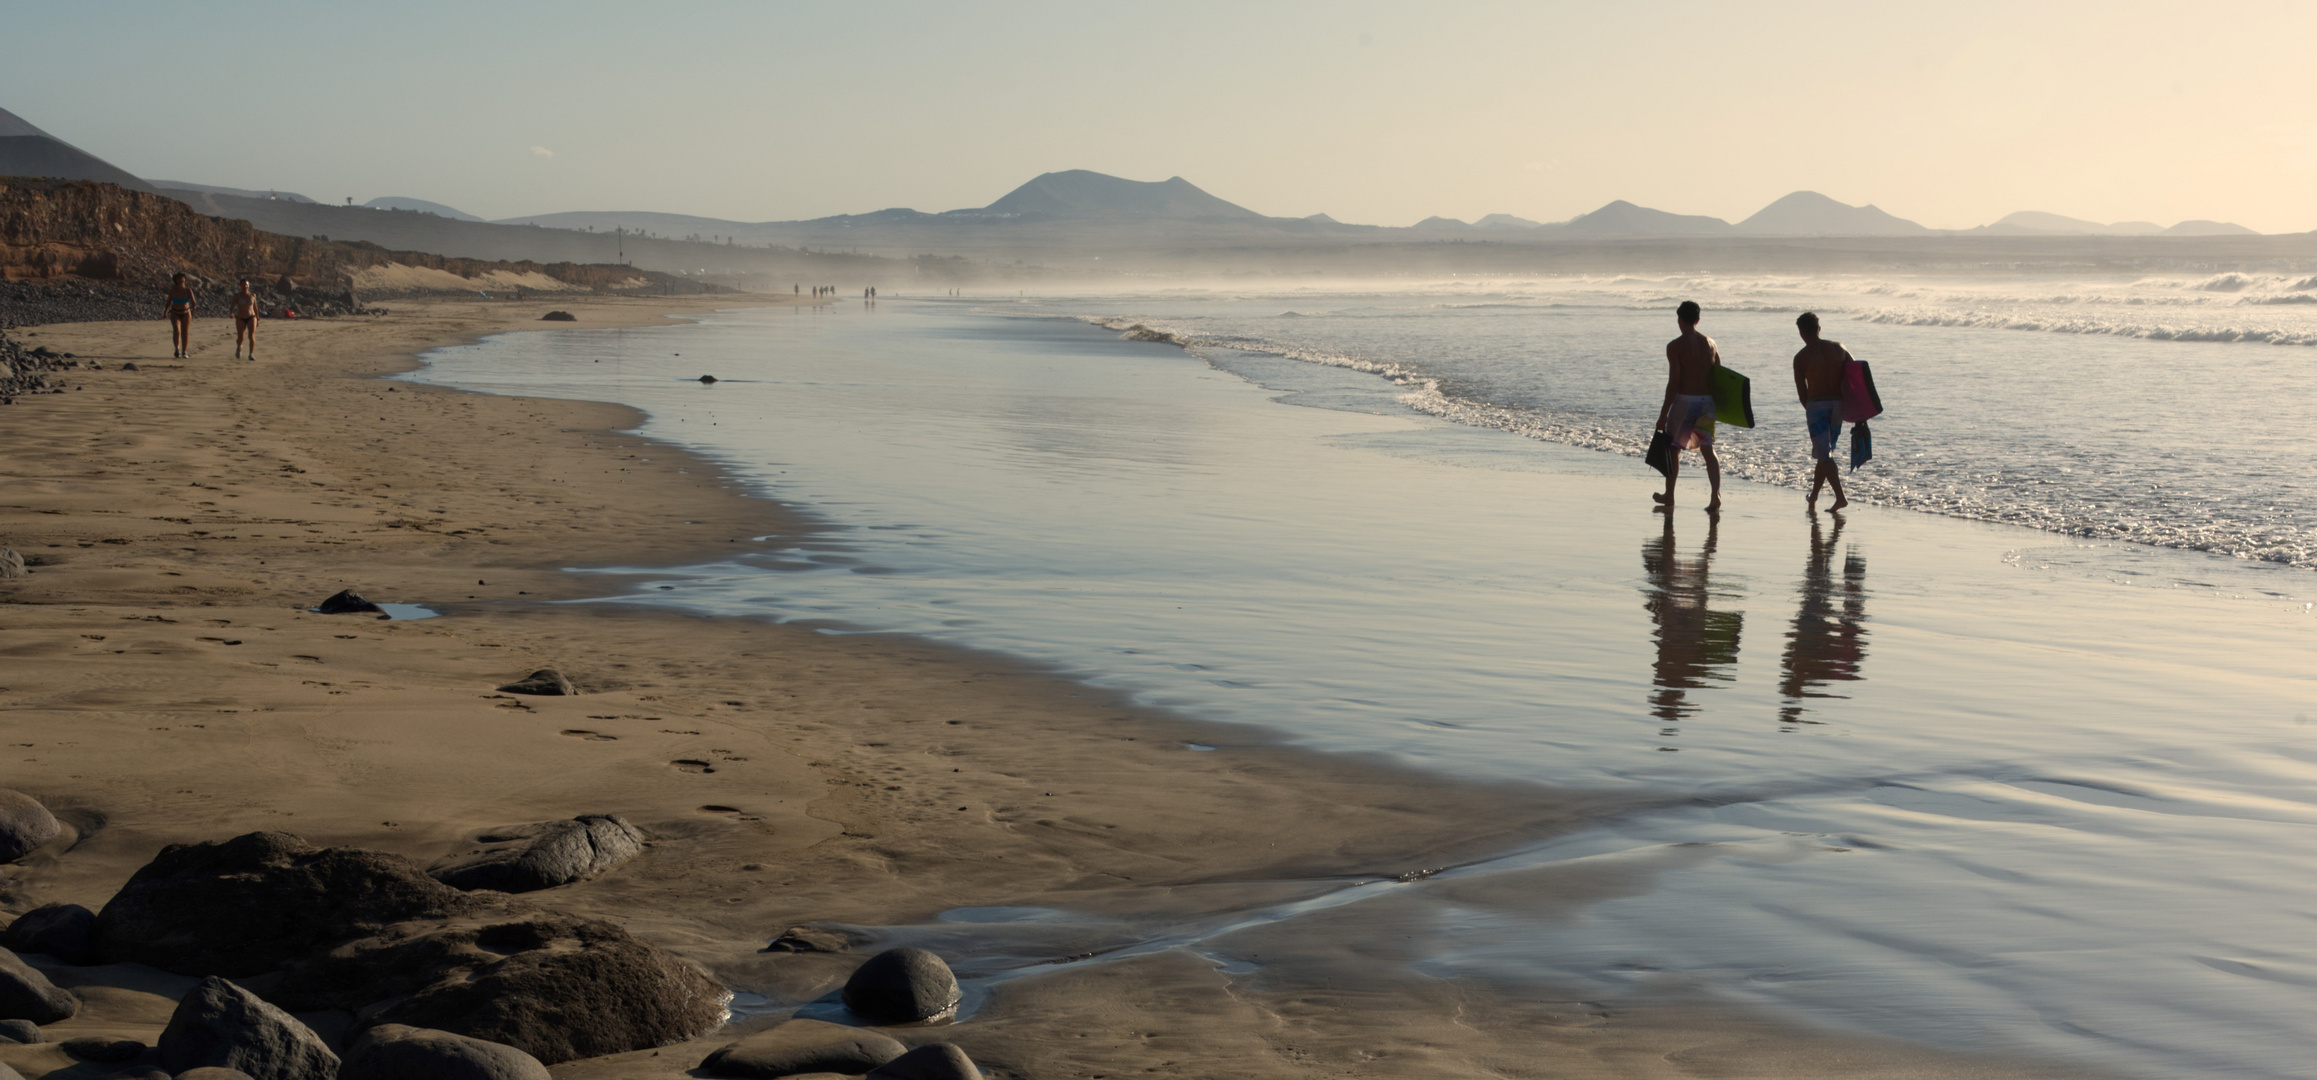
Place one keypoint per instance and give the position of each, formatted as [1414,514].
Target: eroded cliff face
[78,229]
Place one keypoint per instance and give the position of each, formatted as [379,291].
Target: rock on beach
[547,682]
[26,994]
[345,602]
[902,986]
[933,1061]
[25,825]
[399,1052]
[20,1031]
[64,931]
[541,855]
[804,1046]
[219,1024]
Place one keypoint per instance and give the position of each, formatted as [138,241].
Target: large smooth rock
[933,1061]
[900,986]
[102,1050]
[397,1052]
[346,602]
[255,902]
[24,825]
[64,931]
[545,681]
[804,1046]
[7,1073]
[222,1025]
[557,987]
[541,855]
[26,994]
[20,1031]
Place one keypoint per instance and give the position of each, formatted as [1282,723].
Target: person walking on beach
[1687,417]
[180,312]
[245,320]
[1818,382]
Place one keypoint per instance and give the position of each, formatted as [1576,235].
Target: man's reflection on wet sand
[1696,645]
[1829,636]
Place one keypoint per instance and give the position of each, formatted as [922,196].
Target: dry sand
[161,682]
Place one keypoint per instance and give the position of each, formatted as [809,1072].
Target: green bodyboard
[1733,397]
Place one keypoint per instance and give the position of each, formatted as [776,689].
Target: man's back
[1691,359]
[1818,367]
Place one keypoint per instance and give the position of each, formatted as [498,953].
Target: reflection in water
[1828,641]
[1694,642]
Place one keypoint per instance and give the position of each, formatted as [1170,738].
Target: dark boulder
[222,1025]
[901,986]
[557,987]
[547,682]
[541,855]
[25,825]
[396,1052]
[559,316]
[804,1046]
[933,1061]
[102,1050]
[26,994]
[20,1031]
[64,931]
[346,602]
[255,902]
[814,939]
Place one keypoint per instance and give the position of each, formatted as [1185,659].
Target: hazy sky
[1952,114]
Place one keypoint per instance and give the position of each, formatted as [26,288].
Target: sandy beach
[163,683]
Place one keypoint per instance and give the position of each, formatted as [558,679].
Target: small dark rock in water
[820,939]
[559,316]
[258,901]
[24,825]
[547,682]
[26,994]
[707,378]
[222,1025]
[542,855]
[933,1061]
[131,366]
[19,1031]
[396,1052]
[346,602]
[107,1051]
[901,986]
[64,931]
[804,1046]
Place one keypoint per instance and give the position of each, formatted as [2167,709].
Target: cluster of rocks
[29,370]
[438,982]
[897,987]
[61,300]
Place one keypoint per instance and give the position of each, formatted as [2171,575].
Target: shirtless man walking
[1687,417]
[245,320]
[1818,382]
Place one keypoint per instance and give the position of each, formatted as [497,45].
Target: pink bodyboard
[1860,403]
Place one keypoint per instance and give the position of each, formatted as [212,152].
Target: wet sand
[161,682]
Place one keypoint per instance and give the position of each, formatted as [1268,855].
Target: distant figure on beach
[1687,418]
[180,312]
[245,320]
[1818,382]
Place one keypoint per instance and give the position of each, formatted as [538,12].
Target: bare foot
[1714,507]
[1660,497]
[1839,503]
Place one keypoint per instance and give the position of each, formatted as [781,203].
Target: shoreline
[784,775]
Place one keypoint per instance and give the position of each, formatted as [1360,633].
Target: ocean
[1941,776]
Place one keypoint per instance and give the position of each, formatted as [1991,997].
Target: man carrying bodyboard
[1687,417]
[1818,382]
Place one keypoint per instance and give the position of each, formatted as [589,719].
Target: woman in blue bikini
[180,312]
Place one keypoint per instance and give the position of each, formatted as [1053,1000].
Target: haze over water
[1976,785]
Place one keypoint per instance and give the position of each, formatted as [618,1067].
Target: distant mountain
[213,189]
[28,151]
[2209,228]
[1441,224]
[1622,218]
[1321,219]
[1506,221]
[1808,213]
[405,202]
[1082,194]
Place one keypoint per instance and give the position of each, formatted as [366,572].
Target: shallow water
[1975,785]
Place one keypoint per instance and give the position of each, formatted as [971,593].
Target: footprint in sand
[591,736]
[733,812]
[693,765]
